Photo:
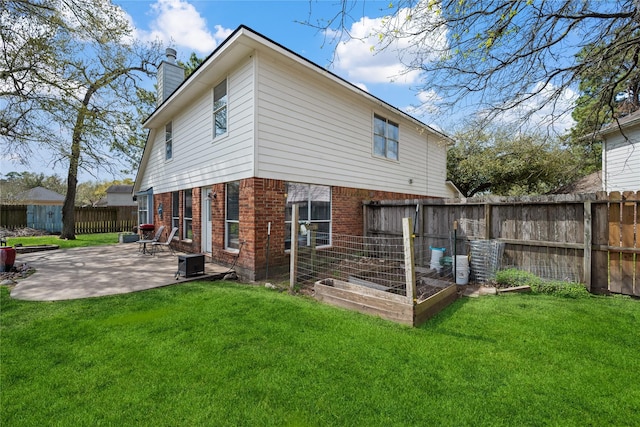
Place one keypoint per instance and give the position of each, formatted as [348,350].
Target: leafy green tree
[70,74]
[191,65]
[15,183]
[90,193]
[506,162]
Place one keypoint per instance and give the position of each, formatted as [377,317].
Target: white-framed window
[314,203]
[220,109]
[175,210]
[168,141]
[145,206]
[385,138]
[232,217]
[188,212]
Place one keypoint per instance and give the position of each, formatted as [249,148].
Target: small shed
[44,209]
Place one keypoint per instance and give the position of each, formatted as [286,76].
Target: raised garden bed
[35,248]
[432,299]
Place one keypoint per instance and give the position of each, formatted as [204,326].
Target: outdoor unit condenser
[190,265]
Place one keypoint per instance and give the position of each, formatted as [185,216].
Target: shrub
[513,277]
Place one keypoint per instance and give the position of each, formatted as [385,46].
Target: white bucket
[462,270]
[436,254]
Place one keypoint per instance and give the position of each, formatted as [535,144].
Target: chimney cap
[171,55]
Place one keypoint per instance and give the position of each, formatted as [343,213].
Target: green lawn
[81,240]
[216,353]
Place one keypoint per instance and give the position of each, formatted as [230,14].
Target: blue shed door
[48,218]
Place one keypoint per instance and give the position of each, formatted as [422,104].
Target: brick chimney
[170,75]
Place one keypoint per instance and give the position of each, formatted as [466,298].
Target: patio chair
[143,243]
[157,245]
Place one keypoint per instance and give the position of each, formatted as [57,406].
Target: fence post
[293,269]
[409,259]
[586,256]
[487,221]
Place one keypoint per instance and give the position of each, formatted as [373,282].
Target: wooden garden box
[394,307]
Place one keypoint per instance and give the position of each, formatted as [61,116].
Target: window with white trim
[168,141]
[220,109]
[385,138]
[175,210]
[232,217]
[314,203]
[188,212]
[145,206]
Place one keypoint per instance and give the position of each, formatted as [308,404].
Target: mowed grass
[218,353]
[81,240]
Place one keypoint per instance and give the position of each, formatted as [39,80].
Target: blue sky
[200,26]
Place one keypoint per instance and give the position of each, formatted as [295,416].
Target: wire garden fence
[374,262]
[377,262]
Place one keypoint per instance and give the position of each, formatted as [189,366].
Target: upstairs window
[168,141]
[220,109]
[385,138]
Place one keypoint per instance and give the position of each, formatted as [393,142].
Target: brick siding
[263,201]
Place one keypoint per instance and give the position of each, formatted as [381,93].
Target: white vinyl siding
[621,161]
[311,131]
[196,160]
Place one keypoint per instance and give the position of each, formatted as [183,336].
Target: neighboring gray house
[621,154]
[120,195]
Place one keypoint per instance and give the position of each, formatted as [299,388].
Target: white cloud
[427,104]
[178,23]
[546,111]
[369,57]
[362,86]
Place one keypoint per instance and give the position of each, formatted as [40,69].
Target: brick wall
[263,201]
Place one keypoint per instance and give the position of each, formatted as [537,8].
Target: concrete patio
[64,274]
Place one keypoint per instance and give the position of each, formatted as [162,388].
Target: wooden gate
[624,243]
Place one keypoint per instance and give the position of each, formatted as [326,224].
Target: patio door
[207,228]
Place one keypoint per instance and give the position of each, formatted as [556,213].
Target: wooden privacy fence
[13,216]
[590,238]
[87,219]
[106,219]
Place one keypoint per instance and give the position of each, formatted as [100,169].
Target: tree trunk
[68,208]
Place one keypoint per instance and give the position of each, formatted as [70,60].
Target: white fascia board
[142,166]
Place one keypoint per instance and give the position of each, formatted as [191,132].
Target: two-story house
[256,128]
